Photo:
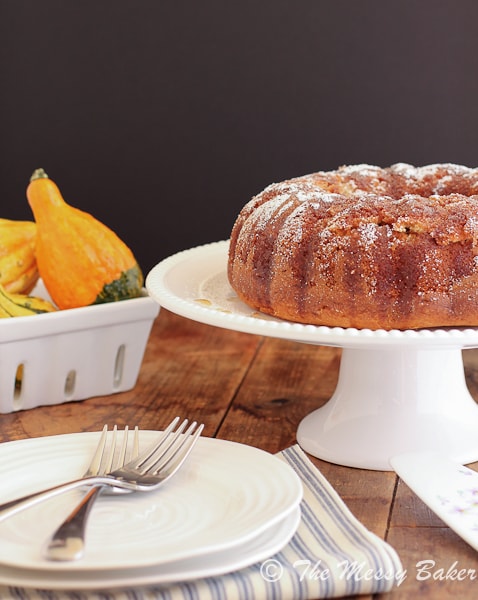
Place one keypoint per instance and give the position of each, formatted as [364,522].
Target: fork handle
[8,509]
[68,541]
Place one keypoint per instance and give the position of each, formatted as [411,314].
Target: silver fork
[68,541]
[147,472]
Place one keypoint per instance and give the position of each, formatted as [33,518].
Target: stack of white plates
[229,506]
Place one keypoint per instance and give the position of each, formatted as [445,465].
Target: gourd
[80,260]
[18,266]
[22,305]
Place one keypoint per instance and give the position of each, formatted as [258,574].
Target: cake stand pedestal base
[391,400]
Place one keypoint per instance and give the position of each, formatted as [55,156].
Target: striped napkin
[331,555]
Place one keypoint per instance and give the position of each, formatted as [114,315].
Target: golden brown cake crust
[362,246]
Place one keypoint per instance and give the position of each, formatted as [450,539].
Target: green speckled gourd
[81,260]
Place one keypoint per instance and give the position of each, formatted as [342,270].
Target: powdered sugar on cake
[363,246]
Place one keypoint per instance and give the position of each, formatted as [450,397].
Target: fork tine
[108,466]
[186,447]
[122,453]
[135,450]
[122,456]
[94,467]
[146,455]
[164,460]
[162,448]
[133,453]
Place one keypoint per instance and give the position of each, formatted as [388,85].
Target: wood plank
[286,381]
[410,511]
[433,558]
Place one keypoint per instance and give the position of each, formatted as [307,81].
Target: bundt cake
[362,246]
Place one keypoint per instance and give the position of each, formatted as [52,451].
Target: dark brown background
[163,118]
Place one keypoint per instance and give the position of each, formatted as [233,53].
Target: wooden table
[256,390]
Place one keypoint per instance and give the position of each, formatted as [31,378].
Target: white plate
[210,565]
[193,283]
[226,494]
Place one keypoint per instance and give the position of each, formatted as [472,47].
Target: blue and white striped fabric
[331,555]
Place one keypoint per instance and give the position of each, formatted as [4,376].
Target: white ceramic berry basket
[73,354]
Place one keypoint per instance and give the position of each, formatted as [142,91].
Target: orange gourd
[81,260]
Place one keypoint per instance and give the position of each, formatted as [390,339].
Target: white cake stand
[398,391]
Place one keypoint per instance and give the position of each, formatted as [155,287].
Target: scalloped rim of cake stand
[398,390]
